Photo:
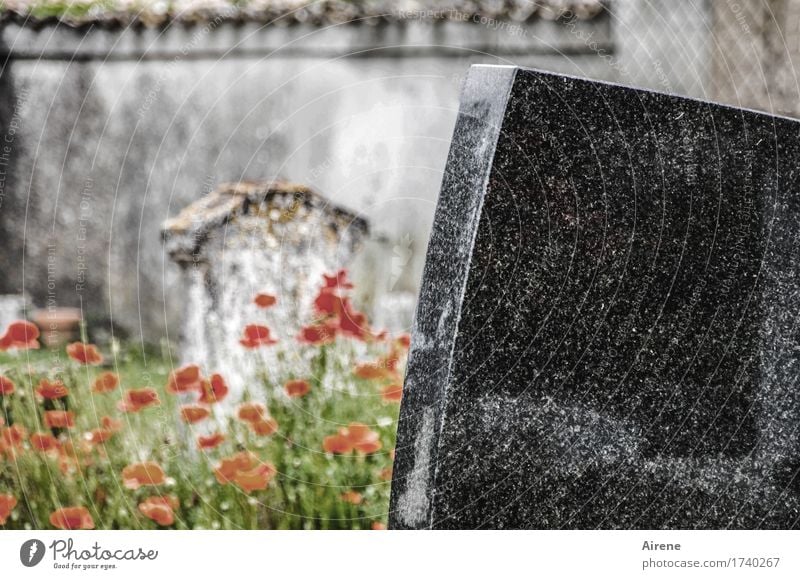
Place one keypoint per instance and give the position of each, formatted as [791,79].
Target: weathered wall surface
[119,131]
[664,44]
[756,49]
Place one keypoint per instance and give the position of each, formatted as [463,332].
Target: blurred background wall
[112,125]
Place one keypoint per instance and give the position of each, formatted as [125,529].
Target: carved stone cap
[278,201]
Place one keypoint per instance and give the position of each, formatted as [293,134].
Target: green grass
[305,494]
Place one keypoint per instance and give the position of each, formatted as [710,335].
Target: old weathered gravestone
[248,238]
[607,334]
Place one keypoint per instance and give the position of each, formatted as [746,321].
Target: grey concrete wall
[664,45]
[755,53]
[117,131]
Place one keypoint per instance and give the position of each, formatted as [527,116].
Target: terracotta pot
[58,325]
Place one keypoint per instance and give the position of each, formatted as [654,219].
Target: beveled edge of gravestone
[482,107]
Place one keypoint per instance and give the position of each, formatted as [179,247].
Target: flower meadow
[116,438]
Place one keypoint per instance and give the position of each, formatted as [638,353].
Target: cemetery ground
[111,436]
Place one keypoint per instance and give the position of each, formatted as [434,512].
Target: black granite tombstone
[608,332]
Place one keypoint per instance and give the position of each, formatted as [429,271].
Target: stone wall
[756,48]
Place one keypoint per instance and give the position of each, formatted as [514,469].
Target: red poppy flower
[357,431]
[256,478]
[105,382]
[337,444]
[142,396]
[141,474]
[170,500]
[6,386]
[392,393]
[404,341]
[317,334]
[385,473]
[353,323]
[366,442]
[352,497]
[52,390]
[72,519]
[256,335]
[111,424]
[251,411]
[264,427]
[59,418]
[378,526]
[20,335]
[373,371]
[13,436]
[160,509]
[265,300]
[87,354]
[193,413]
[135,400]
[390,361]
[210,441]
[297,388]
[7,504]
[185,379]
[99,435]
[369,446]
[356,436]
[213,390]
[328,302]
[228,467]
[337,280]
[43,442]
[160,513]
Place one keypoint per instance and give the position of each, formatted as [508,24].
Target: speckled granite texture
[607,334]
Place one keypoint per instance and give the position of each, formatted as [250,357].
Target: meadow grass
[311,488]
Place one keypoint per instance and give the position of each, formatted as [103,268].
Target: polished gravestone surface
[608,333]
